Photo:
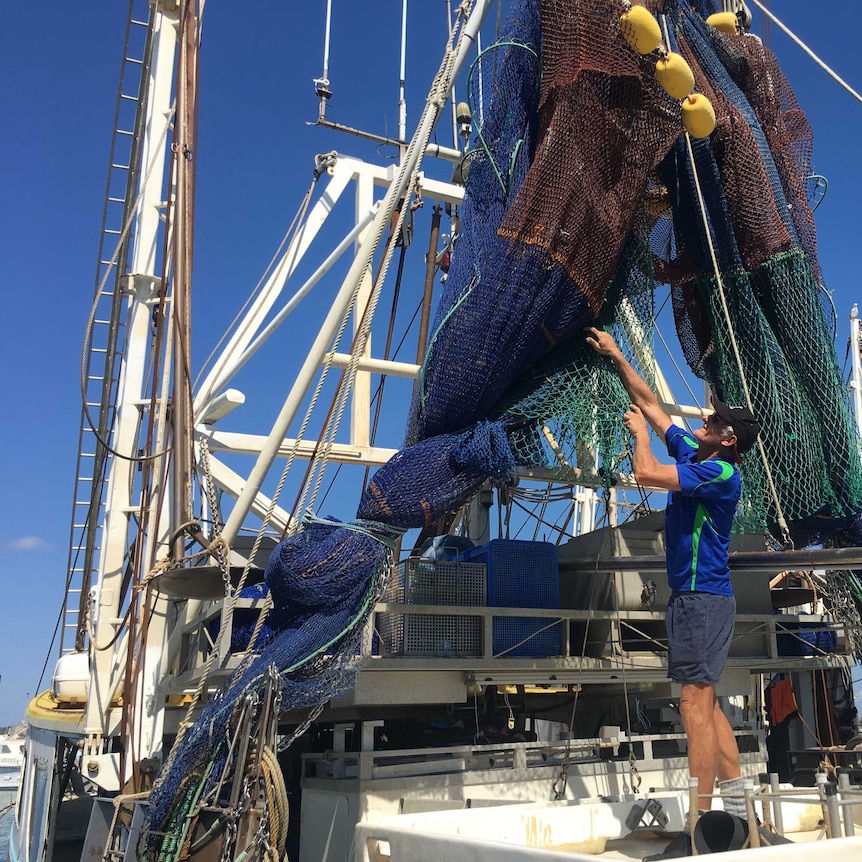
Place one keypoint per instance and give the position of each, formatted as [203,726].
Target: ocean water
[7,806]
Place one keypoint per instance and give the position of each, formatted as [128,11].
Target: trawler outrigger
[244,678]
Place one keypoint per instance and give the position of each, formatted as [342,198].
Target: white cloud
[27,543]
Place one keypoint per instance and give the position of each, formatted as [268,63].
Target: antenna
[454,117]
[402,101]
[321,84]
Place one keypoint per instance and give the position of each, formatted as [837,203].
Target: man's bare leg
[728,750]
[697,707]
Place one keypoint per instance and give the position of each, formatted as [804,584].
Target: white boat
[376,687]
[11,759]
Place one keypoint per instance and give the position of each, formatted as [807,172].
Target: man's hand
[636,423]
[601,341]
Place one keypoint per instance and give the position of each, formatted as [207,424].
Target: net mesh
[582,196]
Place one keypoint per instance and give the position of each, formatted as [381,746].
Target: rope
[436,100]
[782,522]
[276,798]
[163,565]
[385,534]
[807,50]
[505,43]
[333,422]
[117,803]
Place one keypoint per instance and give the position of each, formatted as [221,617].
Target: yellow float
[698,115]
[674,75]
[724,22]
[640,29]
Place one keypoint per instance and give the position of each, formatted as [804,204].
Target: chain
[310,719]
[230,831]
[633,770]
[559,785]
[843,607]
[220,551]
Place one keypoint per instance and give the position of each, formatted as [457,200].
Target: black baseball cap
[742,420]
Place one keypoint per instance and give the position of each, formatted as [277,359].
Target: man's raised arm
[641,395]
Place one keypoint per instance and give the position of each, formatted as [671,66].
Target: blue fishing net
[581,196]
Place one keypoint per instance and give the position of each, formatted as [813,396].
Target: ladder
[103,353]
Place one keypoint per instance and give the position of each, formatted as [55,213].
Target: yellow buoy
[640,29]
[675,75]
[698,115]
[724,22]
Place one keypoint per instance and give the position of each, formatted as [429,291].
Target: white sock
[733,804]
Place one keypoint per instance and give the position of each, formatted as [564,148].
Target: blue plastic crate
[803,638]
[521,575]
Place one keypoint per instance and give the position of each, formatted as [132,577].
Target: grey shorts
[699,631]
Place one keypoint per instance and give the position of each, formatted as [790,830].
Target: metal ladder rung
[126,98]
[120,167]
[139,23]
[116,200]
[134,60]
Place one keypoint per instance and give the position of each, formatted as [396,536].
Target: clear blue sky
[59,65]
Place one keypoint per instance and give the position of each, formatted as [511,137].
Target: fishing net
[582,196]
[751,176]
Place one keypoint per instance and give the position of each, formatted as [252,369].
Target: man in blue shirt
[704,488]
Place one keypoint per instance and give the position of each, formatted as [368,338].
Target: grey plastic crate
[428,582]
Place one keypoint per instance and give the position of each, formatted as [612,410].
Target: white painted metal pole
[231,369]
[402,100]
[248,327]
[325,78]
[452,99]
[345,295]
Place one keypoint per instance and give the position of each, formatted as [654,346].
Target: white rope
[782,523]
[807,50]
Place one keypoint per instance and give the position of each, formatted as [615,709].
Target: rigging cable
[782,522]
[807,50]
[88,334]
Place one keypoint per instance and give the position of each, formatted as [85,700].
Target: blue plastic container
[521,575]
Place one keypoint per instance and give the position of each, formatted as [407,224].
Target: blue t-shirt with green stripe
[699,518]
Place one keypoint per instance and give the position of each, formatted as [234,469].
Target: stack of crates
[521,575]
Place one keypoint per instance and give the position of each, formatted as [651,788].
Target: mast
[183,237]
[127,500]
